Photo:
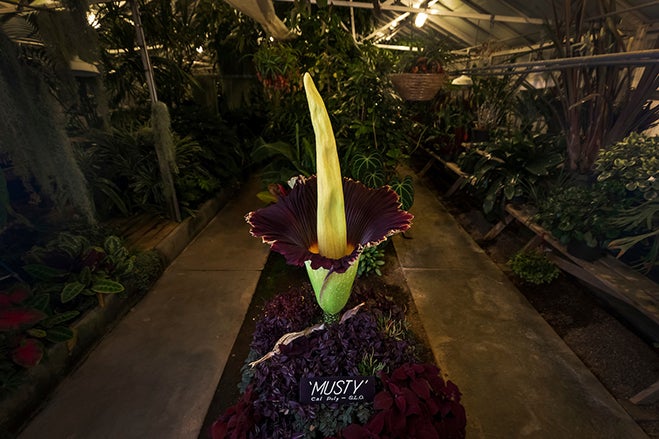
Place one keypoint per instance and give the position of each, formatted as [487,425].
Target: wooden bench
[463,177]
[607,275]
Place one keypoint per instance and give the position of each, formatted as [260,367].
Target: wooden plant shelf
[607,275]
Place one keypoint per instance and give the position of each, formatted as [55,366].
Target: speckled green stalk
[333,292]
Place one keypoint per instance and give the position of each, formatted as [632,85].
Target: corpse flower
[326,221]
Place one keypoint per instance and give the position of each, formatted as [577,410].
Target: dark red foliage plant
[415,403]
[28,353]
[238,420]
[14,315]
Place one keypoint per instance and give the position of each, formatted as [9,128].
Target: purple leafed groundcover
[412,400]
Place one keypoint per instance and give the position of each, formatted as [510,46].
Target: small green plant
[370,365]
[533,266]
[69,266]
[394,328]
[370,261]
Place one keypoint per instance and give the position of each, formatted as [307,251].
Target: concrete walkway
[155,374]
[518,378]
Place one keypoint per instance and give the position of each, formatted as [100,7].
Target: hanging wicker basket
[418,86]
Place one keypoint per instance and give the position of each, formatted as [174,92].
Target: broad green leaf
[36,332]
[85,276]
[113,246]
[39,301]
[43,272]
[364,164]
[70,291]
[106,286]
[60,318]
[59,334]
[373,179]
[405,190]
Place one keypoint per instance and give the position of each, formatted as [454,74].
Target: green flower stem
[333,291]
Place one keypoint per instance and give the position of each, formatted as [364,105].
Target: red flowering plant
[27,325]
[277,68]
[16,320]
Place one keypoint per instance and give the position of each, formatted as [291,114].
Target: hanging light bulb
[420,19]
[463,80]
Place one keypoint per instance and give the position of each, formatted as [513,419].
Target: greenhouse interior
[329,219]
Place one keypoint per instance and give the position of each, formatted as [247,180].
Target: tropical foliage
[55,285]
[370,127]
[599,105]
[511,167]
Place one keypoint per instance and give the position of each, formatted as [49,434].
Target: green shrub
[370,261]
[534,267]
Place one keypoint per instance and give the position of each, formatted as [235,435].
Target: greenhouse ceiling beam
[433,11]
[637,58]
[627,8]
[506,26]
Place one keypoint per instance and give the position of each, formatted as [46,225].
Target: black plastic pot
[583,251]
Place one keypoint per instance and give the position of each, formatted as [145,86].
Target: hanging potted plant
[421,81]
[422,74]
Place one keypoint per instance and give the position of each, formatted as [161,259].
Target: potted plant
[578,216]
[632,164]
[422,74]
[491,100]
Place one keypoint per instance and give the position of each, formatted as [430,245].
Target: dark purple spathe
[289,226]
